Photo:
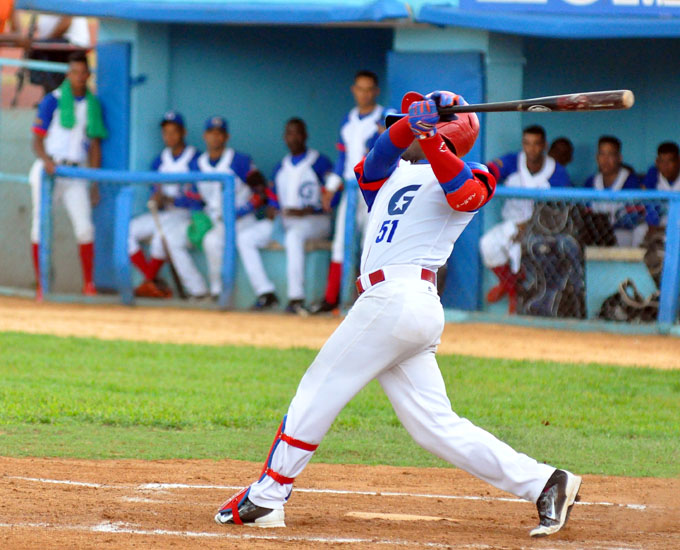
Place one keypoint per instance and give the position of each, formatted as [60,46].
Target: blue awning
[224,11]
[552,25]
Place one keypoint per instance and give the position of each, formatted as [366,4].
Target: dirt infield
[133,504]
[78,504]
[155,324]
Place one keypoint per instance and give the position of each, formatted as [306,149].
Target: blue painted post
[670,277]
[229,257]
[45,232]
[121,260]
[352,190]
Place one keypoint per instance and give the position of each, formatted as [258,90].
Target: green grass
[88,398]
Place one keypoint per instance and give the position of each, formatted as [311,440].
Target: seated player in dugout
[663,176]
[175,203]
[255,208]
[418,207]
[562,150]
[299,183]
[67,131]
[501,247]
[625,220]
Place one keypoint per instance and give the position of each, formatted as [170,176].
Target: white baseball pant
[174,223]
[75,196]
[249,240]
[391,333]
[255,234]
[498,246]
[298,231]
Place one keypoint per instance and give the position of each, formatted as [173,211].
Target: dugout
[259,63]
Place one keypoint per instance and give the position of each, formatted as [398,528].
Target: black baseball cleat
[297,307]
[265,301]
[240,510]
[322,307]
[555,502]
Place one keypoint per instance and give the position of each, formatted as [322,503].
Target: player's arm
[467,187]
[502,167]
[94,160]
[40,126]
[383,159]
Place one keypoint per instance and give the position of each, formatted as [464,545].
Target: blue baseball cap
[174,117]
[217,122]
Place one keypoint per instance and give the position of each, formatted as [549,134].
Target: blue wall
[648,67]
[258,77]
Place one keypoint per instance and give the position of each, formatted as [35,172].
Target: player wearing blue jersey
[253,231]
[175,203]
[298,182]
[418,209]
[627,221]
[500,246]
[68,131]
[358,132]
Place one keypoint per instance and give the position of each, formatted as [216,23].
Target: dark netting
[587,260]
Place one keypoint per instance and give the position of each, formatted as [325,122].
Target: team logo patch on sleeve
[401,200]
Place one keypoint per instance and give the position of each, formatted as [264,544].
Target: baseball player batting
[420,196]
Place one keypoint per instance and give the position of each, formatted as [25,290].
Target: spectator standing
[358,132]
[175,202]
[627,221]
[298,182]
[68,130]
[501,246]
[253,230]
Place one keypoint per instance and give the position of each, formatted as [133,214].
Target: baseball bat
[585,101]
[153,208]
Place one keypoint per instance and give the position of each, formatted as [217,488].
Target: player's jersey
[655,180]
[184,195]
[298,180]
[620,215]
[513,170]
[231,162]
[357,134]
[411,222]
[62,144]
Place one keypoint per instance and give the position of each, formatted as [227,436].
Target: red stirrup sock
[87,261]
[36,261]
[154,267]
[139,261]
[333,286]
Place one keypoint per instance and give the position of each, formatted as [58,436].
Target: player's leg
[299,231]
[418,395]
[499,251]
[332,296]
[378,332]
[175,227]
[141,229]
[76,198]
[34,178]
[249,240]
[213,246]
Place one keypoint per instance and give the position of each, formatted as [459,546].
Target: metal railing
[122,216]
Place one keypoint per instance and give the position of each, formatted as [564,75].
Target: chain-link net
[580,260]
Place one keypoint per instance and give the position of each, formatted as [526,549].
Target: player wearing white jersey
[298,184]
[67,131]
[501,247]
[663,176]
[358,132]
[417,211]
[253,230]
[176,202]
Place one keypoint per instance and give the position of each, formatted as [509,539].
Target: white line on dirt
[169,486]
[127,529]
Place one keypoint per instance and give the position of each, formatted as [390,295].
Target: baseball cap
[217,122]
[174,117]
